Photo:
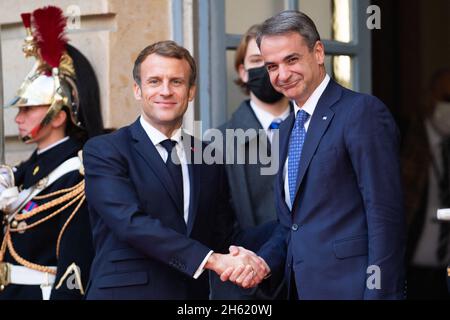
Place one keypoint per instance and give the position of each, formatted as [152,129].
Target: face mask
[259,84]
[441,118]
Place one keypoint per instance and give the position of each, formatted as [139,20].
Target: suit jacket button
[294,227]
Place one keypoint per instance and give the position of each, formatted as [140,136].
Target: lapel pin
[324,118]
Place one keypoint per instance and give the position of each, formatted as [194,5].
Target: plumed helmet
[61,78]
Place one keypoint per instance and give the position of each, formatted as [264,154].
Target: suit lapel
[148,152]
[320,121]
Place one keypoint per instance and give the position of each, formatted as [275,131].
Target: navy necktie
[296,142]
[174,167]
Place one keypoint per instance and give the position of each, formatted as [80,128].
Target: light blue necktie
[296,142]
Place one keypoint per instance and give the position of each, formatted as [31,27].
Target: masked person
[251,191]
[426,176]
[46,248]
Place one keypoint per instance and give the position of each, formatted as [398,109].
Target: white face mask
[441,118]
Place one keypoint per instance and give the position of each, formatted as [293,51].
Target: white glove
[443,214]
[6,177]
[8,191]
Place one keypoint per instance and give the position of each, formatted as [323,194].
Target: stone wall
[110,33]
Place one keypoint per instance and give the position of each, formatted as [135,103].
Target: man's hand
[241,266]
[236,276]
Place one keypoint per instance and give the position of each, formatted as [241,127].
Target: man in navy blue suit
[158,219]
[338,190]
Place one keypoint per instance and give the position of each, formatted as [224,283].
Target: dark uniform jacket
[38,245]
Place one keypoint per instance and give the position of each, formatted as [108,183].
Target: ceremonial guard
[46,248]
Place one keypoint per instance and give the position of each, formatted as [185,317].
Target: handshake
[241,266]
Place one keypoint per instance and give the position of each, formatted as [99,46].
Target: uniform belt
[12,274]
[26,276]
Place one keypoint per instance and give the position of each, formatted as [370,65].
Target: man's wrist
[212,261]
[202,266]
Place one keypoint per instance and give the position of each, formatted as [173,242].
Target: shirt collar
[264,117]
[311,103]
[157,136]
[41,151]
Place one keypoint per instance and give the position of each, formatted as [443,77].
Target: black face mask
[259,84]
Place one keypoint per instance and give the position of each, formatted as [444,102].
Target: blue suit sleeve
[372,141]
[274,252]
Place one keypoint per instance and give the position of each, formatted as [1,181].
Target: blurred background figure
[251,192]
[425,158]
[46,249]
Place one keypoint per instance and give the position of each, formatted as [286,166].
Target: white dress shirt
[309,107]
[266,118]
[157,137]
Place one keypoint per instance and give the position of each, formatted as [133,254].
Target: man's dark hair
[290,21]
[168,49]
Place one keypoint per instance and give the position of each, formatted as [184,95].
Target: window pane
[340,68]
[332,17]
[241,14]
[341,20]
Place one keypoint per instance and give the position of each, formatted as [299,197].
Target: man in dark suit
[159,219]
[338,191]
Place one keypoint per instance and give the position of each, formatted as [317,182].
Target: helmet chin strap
[29,138]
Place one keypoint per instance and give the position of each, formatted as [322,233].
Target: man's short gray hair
[290,21]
